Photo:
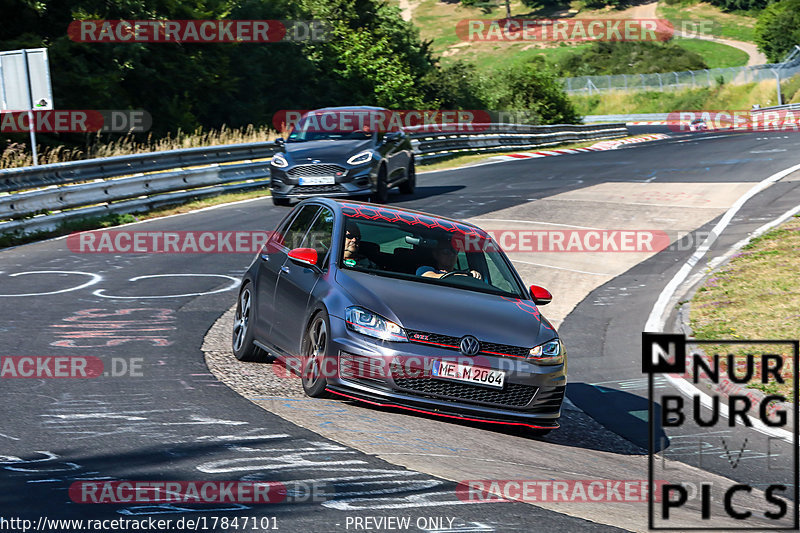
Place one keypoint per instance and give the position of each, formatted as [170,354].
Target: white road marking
[561,268]
[95,279]
[655,322]
[535,222]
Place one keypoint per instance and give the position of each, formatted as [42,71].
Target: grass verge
[725,96]
[693,16]
[755,296]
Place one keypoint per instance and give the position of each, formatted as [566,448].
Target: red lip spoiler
[441,414]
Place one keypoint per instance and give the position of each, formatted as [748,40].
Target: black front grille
[317,189]
[308,171]
[447,341]
[511,395]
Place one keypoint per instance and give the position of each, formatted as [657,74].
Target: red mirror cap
[540,295]
[307,256]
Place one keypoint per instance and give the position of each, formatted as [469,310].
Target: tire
[381,195]
[539,432]
[314,350]
[408,186]
[282,202]
[242,339]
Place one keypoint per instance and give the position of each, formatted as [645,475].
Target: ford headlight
[360,158]
[549,353]
[366,322]
[279,161]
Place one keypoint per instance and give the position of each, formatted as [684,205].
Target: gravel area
[251,380]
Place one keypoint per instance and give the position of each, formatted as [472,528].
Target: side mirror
[392,137]
[540,295]
[280,142]
[304,256]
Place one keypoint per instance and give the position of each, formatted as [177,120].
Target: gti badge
[470,345]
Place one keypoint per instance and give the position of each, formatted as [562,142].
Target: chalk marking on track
[96,278]
[235,284]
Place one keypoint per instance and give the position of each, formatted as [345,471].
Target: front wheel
[381,194]
[283,202]
[315,348]
[408,186]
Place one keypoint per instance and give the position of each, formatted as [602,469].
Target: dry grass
[18,154]
[756,296]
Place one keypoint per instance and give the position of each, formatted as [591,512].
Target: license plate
[318,180]
[469,374]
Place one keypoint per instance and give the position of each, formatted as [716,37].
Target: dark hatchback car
[342,151]
[403,309]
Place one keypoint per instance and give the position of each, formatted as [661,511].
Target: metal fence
[44,197]
[679,80]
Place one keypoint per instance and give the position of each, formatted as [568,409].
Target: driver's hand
[475,274]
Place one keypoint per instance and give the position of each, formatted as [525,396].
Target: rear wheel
[315,348]
[243,347]
[381,194]
[280,201]
[408,186]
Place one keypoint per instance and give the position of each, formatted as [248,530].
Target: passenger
[352,241]
[445,257]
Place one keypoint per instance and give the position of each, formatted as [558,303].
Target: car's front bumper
[531,396]
[357,181]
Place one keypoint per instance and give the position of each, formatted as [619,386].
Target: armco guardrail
[41,198]
[635,117]
[784,107]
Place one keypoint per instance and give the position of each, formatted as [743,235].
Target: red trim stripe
[440,414]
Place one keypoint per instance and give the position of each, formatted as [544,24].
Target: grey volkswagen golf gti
[402,309]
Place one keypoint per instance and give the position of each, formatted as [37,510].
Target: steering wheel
[460,272]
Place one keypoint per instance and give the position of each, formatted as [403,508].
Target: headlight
[279,161]
[549,353]
[368,323]
[360,158]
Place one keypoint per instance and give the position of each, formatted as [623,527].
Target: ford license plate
[318,180]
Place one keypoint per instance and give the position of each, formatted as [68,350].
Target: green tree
[778,29]
[535,90]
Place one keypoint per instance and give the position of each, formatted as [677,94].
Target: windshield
[329,126]
[418,253]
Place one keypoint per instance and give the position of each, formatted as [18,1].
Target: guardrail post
[660,83]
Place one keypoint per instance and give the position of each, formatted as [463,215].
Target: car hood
[448,311]
[339,151]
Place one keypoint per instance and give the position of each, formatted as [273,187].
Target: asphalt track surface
[173,420]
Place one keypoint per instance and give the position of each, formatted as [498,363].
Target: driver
[445,258]
[352,240]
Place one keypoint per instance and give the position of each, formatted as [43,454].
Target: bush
[778,29]
[631,58]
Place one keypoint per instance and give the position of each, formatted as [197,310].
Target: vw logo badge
[470,345]
[315,161]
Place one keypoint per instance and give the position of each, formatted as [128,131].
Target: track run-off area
[176,406]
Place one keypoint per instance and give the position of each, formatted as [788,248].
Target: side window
[320,236]
[294,234]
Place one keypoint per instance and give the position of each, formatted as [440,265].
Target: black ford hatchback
[342,151]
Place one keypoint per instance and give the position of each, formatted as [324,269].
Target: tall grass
[15,155]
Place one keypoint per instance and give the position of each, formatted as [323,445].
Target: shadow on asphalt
[621,412]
